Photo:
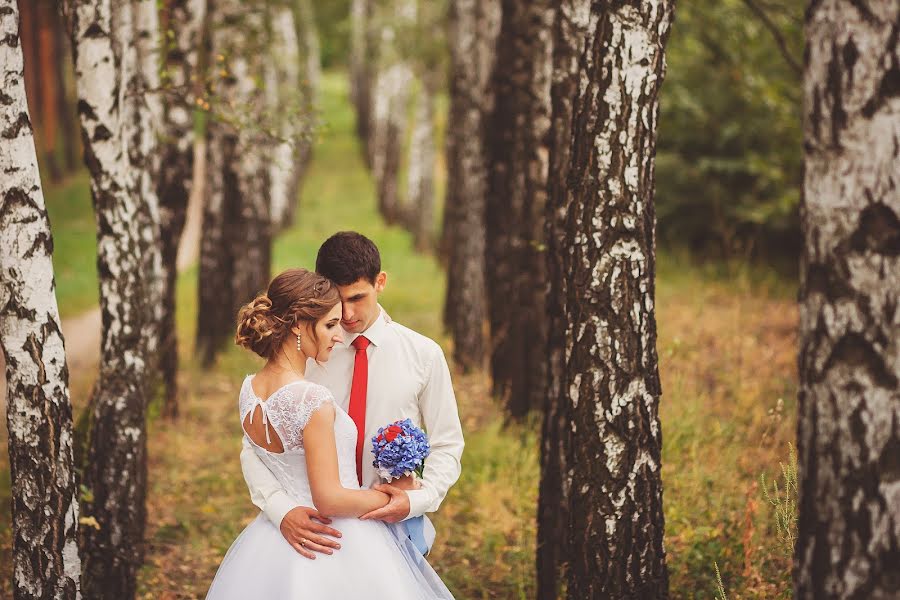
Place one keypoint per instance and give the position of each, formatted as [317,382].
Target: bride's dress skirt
[375,560]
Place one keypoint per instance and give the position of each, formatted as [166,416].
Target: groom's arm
[265,490]
[440,416]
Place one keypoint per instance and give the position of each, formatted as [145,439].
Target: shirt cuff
[277,506]
[418,503]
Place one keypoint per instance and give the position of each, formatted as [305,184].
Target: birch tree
[184,21]
[572,20]
[311,75]
[473,30]
[392,79]
[116,67]
[235,249]
[849,399]
[516,200]
[420,175]
[613,479]
[39,414]
[361,47]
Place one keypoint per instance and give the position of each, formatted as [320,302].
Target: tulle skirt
[375,560]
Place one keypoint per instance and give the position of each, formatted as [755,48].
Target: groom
[382,373]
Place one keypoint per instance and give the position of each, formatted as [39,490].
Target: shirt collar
[375,333]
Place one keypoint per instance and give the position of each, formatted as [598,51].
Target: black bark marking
[856,352]
[22,123]
[834,85]
[878,231]
[94,30]
[11,40]
[101,134]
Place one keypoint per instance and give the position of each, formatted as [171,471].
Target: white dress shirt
[408,378]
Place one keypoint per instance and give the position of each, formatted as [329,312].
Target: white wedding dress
[375,560]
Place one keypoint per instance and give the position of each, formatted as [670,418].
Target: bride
[309,443]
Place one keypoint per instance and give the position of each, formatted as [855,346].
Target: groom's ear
[380,282]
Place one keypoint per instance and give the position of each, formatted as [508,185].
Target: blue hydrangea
[403,455]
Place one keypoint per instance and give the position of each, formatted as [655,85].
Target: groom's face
[360,303]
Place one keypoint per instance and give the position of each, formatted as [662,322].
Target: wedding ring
[303,542]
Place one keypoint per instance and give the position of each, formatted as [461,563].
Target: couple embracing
[337,369]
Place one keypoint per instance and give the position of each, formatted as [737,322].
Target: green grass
[727,352]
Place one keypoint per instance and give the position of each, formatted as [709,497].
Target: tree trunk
[115,68]
[473,30]
[50,81]
[388,132]
[612,378]
[420,182]
[569,35]
[848,543]
[361,47]
[214,318]
[185,22]
[235,250]
[283,97]
[65,98]
[516,200]
[311,71]
[39,414]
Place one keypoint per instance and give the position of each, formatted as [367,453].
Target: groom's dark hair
[347,257]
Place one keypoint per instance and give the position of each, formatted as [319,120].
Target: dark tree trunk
[516,200]
[570,28]
[115,67]
[50,82]
[235,249]
[184,20]
[848,543]
[473,30]
[39,414]
[612,378]
[215,299]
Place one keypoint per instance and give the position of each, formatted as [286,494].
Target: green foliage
[729,156]
[333,22]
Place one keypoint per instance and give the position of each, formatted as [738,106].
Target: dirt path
[82,333]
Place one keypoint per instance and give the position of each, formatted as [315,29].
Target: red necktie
[358,389]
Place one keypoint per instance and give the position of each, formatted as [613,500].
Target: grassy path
[727,353]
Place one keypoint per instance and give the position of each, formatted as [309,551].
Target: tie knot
[360,343]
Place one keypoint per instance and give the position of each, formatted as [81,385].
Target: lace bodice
[286,412]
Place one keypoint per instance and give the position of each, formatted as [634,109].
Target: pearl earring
[298,342]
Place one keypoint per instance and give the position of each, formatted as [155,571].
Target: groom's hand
[395,510]
[307,536]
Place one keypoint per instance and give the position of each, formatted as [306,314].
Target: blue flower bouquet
[400,450]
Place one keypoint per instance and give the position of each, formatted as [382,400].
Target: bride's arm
[329,496]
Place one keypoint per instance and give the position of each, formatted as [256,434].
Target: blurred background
[728,174]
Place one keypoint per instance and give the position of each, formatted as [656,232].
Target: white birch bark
[39,413]
[284,96]
[390,100]
[420,174]
[116,65]
[849,399]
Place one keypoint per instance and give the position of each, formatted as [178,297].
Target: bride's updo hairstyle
[294,296]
